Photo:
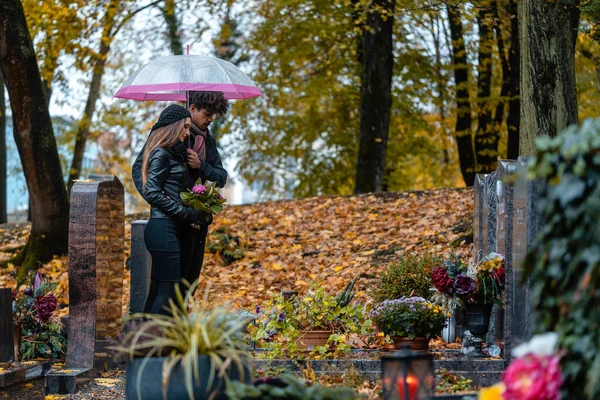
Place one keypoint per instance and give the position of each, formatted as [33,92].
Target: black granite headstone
[504,237]
[6,326]
[519,326]
[478,211]
[141,264]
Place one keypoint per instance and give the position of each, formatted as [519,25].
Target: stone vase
[478,318]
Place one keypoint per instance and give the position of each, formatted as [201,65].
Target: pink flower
[199,189]
[533,377]
[219,196]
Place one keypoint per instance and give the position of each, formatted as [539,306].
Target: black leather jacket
[167,178]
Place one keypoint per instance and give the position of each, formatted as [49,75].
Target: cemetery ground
[255,251]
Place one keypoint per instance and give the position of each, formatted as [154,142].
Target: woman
[164,177]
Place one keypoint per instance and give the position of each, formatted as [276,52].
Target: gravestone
[480,178]
[141,265]
[7,350]
[478,207]
[504,237]
[494,335]
[96,255]
[519,326]
[491,199]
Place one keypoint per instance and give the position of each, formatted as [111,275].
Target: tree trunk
[464,140]
[173,33]
[510,77]
[548,34]
[441,83]
[2,152]
[513,120]
[486,135]
[35,140]
[375,97]
[83,129]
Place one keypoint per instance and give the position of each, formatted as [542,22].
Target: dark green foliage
[565,262]
[48,341]
[226,245]
[287,387]
[410,276]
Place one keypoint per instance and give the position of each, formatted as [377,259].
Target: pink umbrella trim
[149,92]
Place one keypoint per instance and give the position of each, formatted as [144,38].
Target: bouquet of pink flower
[204,197]
[534,374]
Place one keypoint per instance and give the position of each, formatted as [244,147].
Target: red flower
[499,275]
[14,295]
[44,306]
[441,280]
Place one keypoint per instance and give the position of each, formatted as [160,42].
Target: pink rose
[199,189]
[533,377]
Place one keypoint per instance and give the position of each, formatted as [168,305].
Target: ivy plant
[564,263]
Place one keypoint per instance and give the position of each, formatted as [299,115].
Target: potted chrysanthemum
[409,320]
[191,353]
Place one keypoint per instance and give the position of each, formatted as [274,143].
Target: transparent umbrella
[171,78]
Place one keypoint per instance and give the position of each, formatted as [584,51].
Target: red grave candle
[412,383]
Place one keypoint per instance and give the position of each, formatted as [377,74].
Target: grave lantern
[407,375]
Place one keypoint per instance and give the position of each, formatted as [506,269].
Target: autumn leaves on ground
[290,244]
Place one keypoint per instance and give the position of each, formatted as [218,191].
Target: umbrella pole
[187,105]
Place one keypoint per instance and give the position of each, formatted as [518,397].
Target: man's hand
[192,160]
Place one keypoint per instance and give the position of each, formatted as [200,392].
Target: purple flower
[199,189]
[28,291]
[257,310]
[281,317]
[464,285]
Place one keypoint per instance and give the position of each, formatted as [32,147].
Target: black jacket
[168,176]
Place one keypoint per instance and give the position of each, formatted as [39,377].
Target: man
[204,162]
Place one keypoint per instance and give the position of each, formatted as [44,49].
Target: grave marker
[478,207]
[7,350]
[96,251]
[141,265]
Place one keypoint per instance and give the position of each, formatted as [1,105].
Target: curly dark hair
[213,102]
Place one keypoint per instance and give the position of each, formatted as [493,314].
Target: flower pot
[416,344]
[311,339]
[478,318]
[150,379]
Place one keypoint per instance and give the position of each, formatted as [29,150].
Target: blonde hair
[165,136]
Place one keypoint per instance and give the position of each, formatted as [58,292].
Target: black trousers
[192,252]
[177,252]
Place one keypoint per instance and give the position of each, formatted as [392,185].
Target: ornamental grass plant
[195,328]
